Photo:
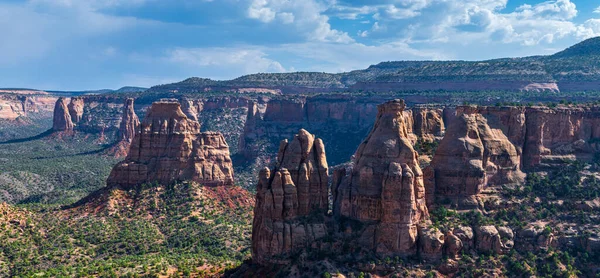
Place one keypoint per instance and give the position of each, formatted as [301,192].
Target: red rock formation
[473,155]
[556,134]
[15,105]
[191,108]
[249,136]
[384,189]
[169,147]
[305,159]
[76,109]
[127,130]
[285,110]
[427,123]
[285,195]
[129,122]
[62,119]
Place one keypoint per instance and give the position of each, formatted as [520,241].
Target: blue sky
[93,44]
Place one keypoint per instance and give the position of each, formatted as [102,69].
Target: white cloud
[306,15]
[230,60]
[597,10]
[477,21]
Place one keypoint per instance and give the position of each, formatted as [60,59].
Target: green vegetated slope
[48,168]
[177,230]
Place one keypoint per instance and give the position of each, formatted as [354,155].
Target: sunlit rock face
[294,189]
[169,147]
[383,188]
[472,155]
[560,133]
[62,119]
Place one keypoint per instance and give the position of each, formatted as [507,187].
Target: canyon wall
[13,106]
[341,121]
[169,147]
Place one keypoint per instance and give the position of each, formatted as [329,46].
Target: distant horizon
[72,45]
[186,78]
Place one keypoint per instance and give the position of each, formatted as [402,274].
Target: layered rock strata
[471,156]
[558,134]
[296,187]
[383,189]
[169,147]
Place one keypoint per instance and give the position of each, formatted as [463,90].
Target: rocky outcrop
[248,139]
[62,118]
[76,109]
[127,130]
[297,187]
[428,123]
[561,133]
[304,158]
[384,187]
[493,240]
[129,122]
[15,105]
[169,147]
[471,156]
[191,108]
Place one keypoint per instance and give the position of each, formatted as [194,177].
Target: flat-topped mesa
[76,109]
[284,195]
[474,153]
[129,122]
[383,189]
[169,147]
[62,119]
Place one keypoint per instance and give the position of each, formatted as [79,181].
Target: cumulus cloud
[306,15]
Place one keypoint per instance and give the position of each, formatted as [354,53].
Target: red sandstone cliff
[169,147]
[297,187]
[473,155]
[15,105]
[384,188]
[76,109]
[62,118]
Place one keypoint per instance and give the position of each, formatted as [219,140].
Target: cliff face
[169,147]
[383,189]
[76,109]
[428,123]
[62,119]
[13,106]
[297,187]
[129,122]
[335,117]
[127,130]
[556,134]
[474,155]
